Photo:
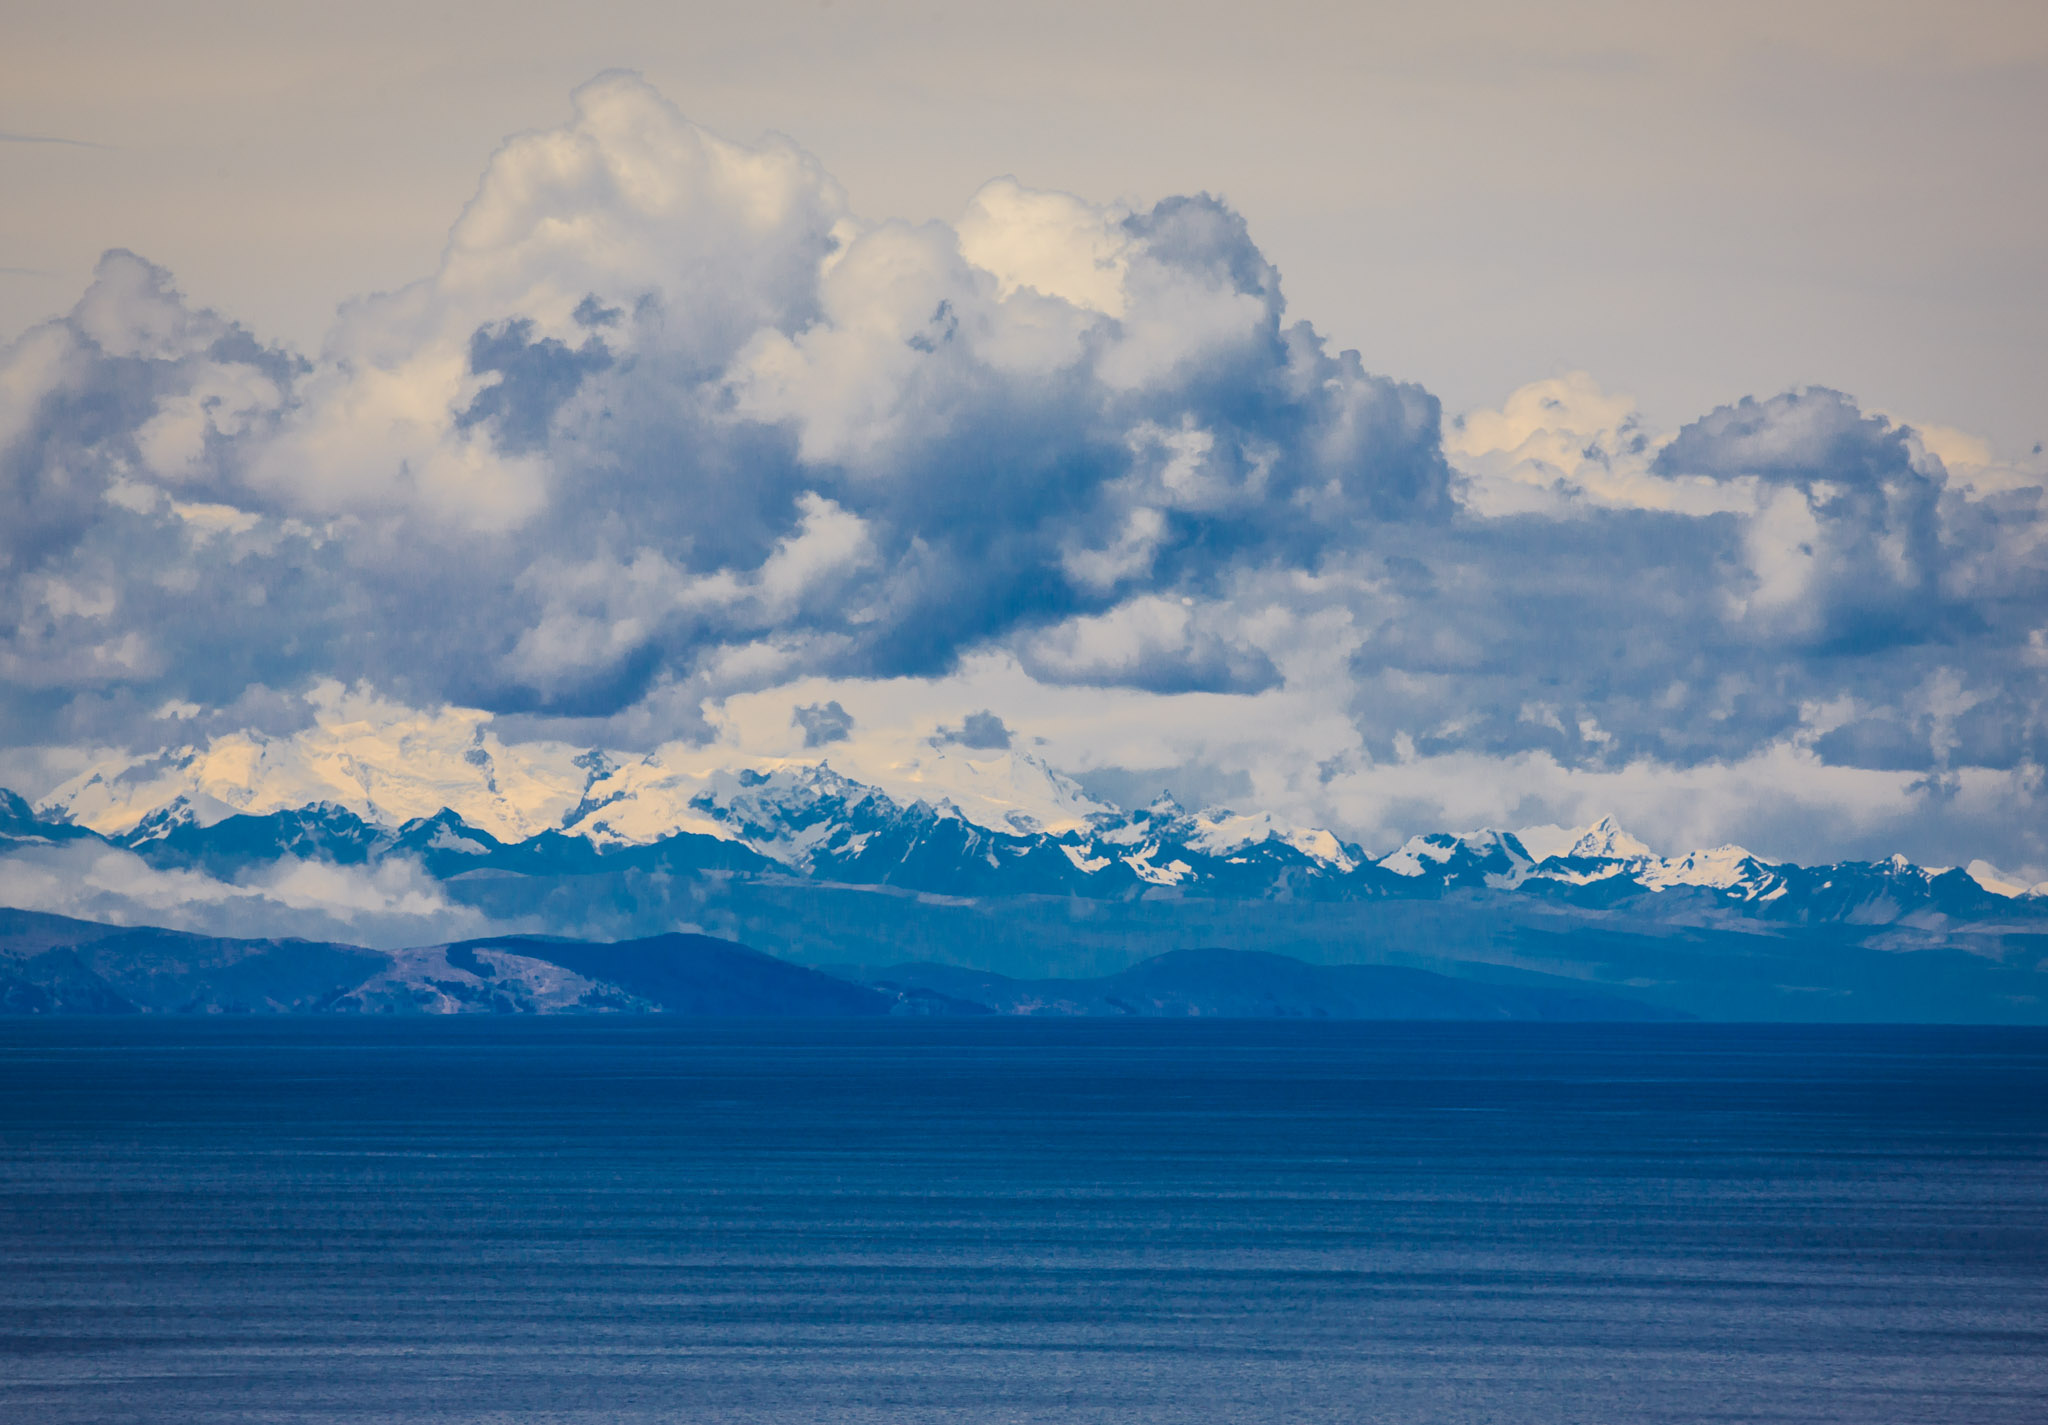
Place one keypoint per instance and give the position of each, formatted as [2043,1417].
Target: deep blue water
[1020,1221]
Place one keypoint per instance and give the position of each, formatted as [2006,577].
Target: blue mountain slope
[52,964]
[694,975]
[320,832]
[1888,893]
[443,843]
[1239,984]
[19,825]
[57,965]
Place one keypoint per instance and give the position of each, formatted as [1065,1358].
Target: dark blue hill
[694,975]
[54,965]
[1251,984]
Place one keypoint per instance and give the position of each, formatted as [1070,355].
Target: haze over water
[1019,1221]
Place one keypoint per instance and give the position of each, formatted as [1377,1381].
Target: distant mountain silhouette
[1250,984]
[54,965]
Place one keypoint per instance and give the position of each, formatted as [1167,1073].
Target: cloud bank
[391,905]
[673,432]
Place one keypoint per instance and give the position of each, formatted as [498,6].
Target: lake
[1019,1220]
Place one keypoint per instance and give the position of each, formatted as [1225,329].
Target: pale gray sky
[1691,201]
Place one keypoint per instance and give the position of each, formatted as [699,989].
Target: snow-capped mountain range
[968,856]
[937,818]
[388,771]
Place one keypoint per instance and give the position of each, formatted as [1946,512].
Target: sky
[1397,421]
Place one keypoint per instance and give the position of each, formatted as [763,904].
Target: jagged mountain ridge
[859,877]
[363,783]
[389,768]
[813,822]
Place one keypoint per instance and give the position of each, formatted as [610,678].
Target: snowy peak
[1167,845]
[1490,858]
[1419,854]
[444,831]
[178,813]
[391,766]
[1723,868]
[1219,831]
[1604,840]
[796,815]
[1605,853]
[681,789]
[387,771]
[1010,791]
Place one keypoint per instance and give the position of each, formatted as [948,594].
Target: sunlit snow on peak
[1603,840]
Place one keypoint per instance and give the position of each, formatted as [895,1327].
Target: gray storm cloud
[666,396]
[672,422]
